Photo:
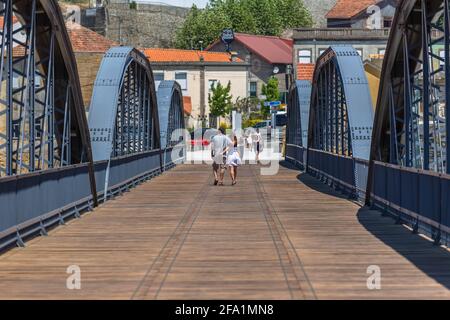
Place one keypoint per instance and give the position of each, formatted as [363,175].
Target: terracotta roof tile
[82,39]
[175,55]
[346,9]
[86,40]
[305,71]
[15,20]
[187,103]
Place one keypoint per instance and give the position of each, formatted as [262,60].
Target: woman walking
[234,160]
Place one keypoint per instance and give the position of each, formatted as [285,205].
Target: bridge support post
[19,240]
[42,231]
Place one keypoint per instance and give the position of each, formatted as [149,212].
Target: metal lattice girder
[42,119]
[412,119]
[123,117]
[298,113]
[341,113]
[171,111]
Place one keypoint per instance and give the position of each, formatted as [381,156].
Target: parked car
[281,121]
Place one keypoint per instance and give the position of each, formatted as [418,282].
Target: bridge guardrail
[416,197]
[296,155]
[32,203]
[345,173]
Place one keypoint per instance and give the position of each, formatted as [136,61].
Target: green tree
[260,17]
[293,14]
[272,93]
[201,27]
[220,100]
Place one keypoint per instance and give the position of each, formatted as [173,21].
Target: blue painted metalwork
[341,115]
[409,153]
[123,116]
[41,107]
[298,120]
[171,112]
[340,123]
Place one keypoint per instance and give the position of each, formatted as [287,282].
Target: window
[304,56]
[159,76]
[360,52]
[212,83]
[181,78]
[382,51]
[253,89]
[387,22]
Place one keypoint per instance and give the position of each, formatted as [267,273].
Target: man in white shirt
[220,144]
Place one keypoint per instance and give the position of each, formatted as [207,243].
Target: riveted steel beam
[341,113]
[43,121]
[171,112]
[298,113]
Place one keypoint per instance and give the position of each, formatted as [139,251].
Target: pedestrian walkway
[270,237]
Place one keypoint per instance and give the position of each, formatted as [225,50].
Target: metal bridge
[111,195]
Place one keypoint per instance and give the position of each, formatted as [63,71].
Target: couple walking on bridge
[225,154]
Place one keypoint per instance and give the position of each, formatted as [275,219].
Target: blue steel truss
[42,118]
[341,114]
[298,113]
[412,120]
[409,168]
[171,112]
[123,117]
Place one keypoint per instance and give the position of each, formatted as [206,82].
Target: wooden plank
[269,237]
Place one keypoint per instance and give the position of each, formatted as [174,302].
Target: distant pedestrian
[220,144]
[258,144]
[234,161]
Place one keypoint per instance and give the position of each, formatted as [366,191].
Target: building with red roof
[89,48]
[363,24]
[362,14]
[196,72]
[268,57]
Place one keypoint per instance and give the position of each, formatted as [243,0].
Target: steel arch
[41,105]
[298,113]
[341,113]
[410,120]
[123,117]
[171,112]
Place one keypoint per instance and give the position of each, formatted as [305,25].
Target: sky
[181,3]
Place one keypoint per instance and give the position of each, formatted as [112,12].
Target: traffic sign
[274,104]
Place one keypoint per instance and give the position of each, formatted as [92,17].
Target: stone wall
[319,9]
[149,25]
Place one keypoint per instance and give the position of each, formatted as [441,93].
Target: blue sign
[275,104]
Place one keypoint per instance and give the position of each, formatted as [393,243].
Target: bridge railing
[32,203]
[297,155]
[416,197]
[345,173]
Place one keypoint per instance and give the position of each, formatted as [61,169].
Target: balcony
[340,34]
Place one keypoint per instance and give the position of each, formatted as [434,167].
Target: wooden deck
[270,237]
